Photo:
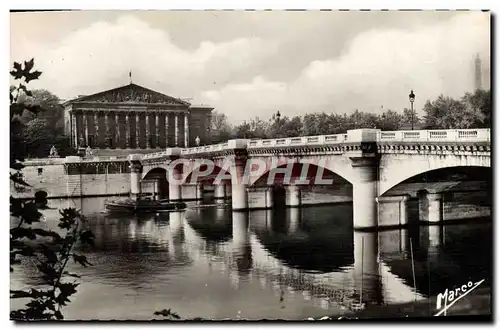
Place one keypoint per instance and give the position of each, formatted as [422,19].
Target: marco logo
[446,299]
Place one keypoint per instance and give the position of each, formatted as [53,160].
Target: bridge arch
[158,177]
[326,169]
[396,171]
[455,178]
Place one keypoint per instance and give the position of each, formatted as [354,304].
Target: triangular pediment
[131,93]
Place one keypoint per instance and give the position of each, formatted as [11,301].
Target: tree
[52,111]
[410,117]
[38,137]
[479,105]
[446,113]
[220,128]
[390,121]
[50,250]
[256,128]
[310,124]
[292,127]
[46,128]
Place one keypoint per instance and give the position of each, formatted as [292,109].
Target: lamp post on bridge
[277,116]
[209,134]
[412,99]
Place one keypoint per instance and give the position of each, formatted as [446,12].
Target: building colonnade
[135,129]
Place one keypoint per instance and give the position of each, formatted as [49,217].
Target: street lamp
[412,99]
[278,116]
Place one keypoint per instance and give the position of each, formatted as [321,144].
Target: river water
[291,264]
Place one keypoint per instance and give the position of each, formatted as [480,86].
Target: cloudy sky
[249,64]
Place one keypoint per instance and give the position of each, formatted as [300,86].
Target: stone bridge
[371,160]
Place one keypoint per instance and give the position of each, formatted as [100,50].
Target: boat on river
[143,206]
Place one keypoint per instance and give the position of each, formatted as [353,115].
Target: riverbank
[477,302]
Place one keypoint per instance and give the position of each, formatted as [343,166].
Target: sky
[248,64]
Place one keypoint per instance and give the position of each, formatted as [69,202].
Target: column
[166,130]
[135,176]
[117,127]
[148,137]
[186,130]
[74,142]
[137,131]
[79,129]
[106,126]
[293,196]
[430,206]
[157,130]
[96,130]
[176,123]
[127,131]
[85,130]
[364,191]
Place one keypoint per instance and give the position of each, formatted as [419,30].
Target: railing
[43,161]
[298,141]
[205,149]
[452,135]
[71,159]
[154,155]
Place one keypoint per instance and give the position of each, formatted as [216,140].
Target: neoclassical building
[134,117]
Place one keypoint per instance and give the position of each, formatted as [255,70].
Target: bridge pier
[365,165]
[220,191]
[157,190]
[174,188]
[430,206]
[388,205]
[192,192]
[260,198]
[364,191]
[293,196]
[239,193]
[135,175]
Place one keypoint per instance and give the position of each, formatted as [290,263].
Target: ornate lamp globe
[412,96]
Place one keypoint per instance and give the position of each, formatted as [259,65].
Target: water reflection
[367,283]
[241,248]
[289,264]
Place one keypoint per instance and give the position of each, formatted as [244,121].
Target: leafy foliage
[471,111]
[45,128]
[50,250]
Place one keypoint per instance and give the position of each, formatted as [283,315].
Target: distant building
[478,80]
[134,117]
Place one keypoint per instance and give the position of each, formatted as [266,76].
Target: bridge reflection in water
[213,263]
